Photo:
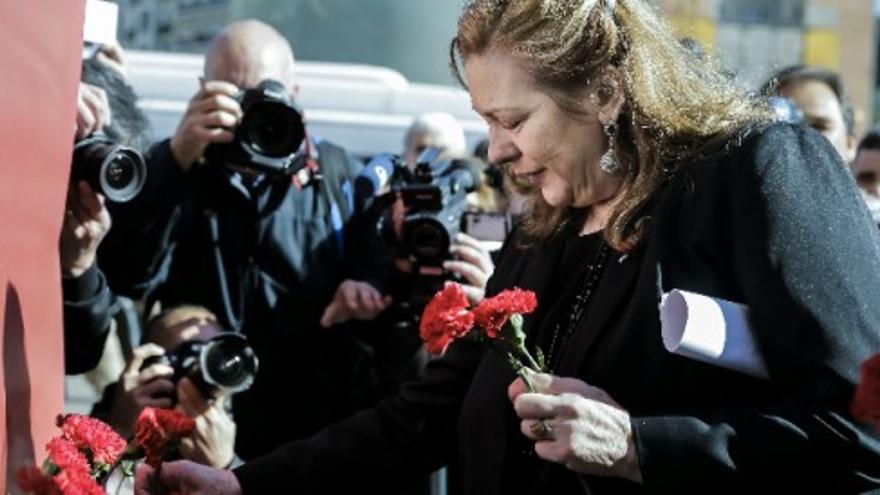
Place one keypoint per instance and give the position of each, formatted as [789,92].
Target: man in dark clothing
[270,254]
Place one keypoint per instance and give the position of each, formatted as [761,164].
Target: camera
[270,134]
[434,199]
[116,171]
[223,365]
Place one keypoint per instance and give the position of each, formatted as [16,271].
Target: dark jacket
[88,308]
[283,252]
[774,222]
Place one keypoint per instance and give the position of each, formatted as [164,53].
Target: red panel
[41,44]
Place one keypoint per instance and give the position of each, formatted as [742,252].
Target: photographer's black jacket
[775,223]
[88,308]
[283,252]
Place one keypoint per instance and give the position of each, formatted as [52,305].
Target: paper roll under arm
[712,330]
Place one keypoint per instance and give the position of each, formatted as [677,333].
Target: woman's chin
[556,199]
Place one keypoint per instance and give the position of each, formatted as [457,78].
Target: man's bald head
[248,52]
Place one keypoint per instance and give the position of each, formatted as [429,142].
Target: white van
[364,108]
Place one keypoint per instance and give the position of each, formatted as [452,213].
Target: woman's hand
[576,425]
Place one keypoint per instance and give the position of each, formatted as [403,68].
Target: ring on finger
[540,429]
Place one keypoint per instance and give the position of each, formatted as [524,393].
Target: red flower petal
[92,435]
[492,313]
[74,482]
[156,428]
[445,319]
[64,454]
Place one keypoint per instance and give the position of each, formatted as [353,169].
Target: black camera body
[223,365]
[270,135]
[434,197]
[116,171]
[435,201]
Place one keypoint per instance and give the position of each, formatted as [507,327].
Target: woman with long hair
[647,170]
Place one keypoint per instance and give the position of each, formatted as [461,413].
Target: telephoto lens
[117,172]
[223,365]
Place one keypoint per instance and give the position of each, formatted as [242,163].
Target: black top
[775,223]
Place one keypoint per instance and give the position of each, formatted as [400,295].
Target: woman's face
[553,150]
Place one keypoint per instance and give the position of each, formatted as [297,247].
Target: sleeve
[88,309]
[808,264]
[138,249]
[367,257]
[406,436]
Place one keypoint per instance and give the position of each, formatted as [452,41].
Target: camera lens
[428,239]
[115,171]
[272,129]
[229,363]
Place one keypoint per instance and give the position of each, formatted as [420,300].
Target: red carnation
[31,479]
[64,454]
[94,436]
[156,429]
[445,318]
[491,314]
[72,482]
[866,402]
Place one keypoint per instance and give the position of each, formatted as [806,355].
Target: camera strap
[305,175]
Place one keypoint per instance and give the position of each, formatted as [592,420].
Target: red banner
[41,44]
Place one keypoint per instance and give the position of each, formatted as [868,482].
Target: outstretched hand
[354,299]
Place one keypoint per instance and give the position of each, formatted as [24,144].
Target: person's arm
[88,303]
[88,308]
[408,435]
[808,264]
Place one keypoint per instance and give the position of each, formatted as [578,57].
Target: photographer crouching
[186,361]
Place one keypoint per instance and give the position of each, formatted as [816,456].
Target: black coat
[774,222]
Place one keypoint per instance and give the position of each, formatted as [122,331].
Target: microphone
[375,175]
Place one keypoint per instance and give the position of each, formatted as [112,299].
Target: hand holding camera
[209,118]
[92,110]
[472,264]
[213,441]
[139,388]
[86,222]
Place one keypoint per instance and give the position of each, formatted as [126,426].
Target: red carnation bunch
[865,406]
[94,437]
[86,450]
[499,319]
[158,431]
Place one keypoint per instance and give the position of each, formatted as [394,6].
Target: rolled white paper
[712,330]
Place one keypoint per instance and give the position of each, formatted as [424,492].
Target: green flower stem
[523,373]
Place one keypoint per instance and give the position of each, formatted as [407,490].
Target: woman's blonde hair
[677,105]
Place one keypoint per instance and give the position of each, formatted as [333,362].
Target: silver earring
[609,163]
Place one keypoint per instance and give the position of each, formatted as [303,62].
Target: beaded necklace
[563,330]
